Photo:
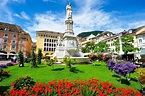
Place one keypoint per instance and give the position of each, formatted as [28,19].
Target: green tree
[69,62]
[50,62]
[85,50]
[21,59]
[33,59]
[39,56]
[89,47]
[127,44]
[101,47]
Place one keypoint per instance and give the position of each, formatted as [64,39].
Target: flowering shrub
[8,64]
[99,57]
[22,83]
[110,64]
[4,74]
[3,66]
[124,69]
[141,73]
[92,87]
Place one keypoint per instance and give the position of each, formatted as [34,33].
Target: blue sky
[88,15]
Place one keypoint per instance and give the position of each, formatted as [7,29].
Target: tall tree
[34,64]
[127,44]
[39,56]
[101,47]
[21,59]
[90,46]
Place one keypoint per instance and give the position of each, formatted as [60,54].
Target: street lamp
[120,42]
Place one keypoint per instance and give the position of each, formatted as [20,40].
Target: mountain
[85,34]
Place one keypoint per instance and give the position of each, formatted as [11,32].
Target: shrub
[10,64]
[4,74]
[110,64]
[3,66]
[21,59]
[22,83]
[69,62]
[141,72]
[39,56]
[33,59]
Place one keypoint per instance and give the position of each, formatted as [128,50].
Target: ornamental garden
[44,77]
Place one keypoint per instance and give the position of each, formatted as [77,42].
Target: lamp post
[120,43]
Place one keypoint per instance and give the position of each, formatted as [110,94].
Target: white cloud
[5,11]
[49,1]
[24,15]
[17,15]
[19,1]
[88,16]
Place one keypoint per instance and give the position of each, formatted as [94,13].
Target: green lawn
[44,73]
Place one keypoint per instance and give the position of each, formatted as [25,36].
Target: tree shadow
[3,89]
[40,66]
[124,81]
[57,69]
[134,79]
[114,75]
[75,70]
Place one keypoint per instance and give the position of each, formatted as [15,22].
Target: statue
[59,41]
[69,12]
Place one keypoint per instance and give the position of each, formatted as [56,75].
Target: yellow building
[47,42]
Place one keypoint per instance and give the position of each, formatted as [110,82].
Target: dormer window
[7,29]
[6,35]
[130,31]
[140,40]
[14,36]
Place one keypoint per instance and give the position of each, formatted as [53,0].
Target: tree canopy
[101,47]
[127,44]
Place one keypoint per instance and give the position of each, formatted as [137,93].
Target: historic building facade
[47,41]
[12,39]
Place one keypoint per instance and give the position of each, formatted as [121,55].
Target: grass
[45,73]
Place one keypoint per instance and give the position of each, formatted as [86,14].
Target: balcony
[13,49]
[13,43]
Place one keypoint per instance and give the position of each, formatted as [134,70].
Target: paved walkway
[5,61]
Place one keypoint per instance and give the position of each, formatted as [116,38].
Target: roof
[110,37]
[143,32]
[47,31]
[11,27]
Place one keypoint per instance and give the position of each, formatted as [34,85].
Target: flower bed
[92,87]
[8,64]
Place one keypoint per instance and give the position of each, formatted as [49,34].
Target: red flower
[8,71]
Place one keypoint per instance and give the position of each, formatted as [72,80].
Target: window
[140,40]
[44,44]
[21,41]
[4,46]
[6,35]
[13,41]
[5,40]
[21,48]
[45,40]
[14,36]
[44,49]
[13,47]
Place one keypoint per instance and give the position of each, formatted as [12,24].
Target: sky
[88,15]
